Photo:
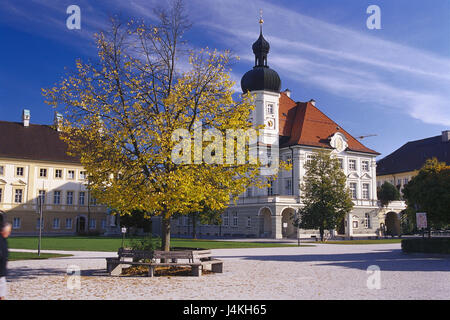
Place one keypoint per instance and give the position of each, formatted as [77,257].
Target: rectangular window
[405,181]
[355,224]
[341,163]
[92,224]
[269,151]
[352,165]
[82,175]
[57,197]
[58,173]
[367,221]
[16,223]
[69,198]
[270,188]
[309,158]
[353,190]
[226,219]
[93,201]
[69,223]
[289,159]
[365,191]
[19,171]
[18,195]
[43,173]
[103,223]
[38,223]
[41,197]
[365,166]
[249,192]
[270,108]
[55,223]
[81,198]
[235,219]
[2,170]
[289,186]
[249,222]
[71,174]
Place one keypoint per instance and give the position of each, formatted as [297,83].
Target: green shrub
[145,244]
[426,245]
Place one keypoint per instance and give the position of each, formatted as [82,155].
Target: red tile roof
[35,142]
[301,123]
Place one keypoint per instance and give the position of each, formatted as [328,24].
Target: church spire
[261,47]
[261,77]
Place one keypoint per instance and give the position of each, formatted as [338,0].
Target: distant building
[401,165]
[34,164]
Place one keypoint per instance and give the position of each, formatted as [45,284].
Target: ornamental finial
[261,21]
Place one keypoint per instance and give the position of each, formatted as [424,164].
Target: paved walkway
[325,271]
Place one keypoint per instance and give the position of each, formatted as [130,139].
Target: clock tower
[264,83]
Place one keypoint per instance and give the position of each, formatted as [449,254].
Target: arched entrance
[81,224]
[287,223]
[265,227]
[392,223]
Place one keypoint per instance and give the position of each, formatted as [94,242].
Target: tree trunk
[194,229]
[165,242]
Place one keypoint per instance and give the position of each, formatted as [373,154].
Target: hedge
[426,245]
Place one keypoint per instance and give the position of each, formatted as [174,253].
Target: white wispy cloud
[357,65]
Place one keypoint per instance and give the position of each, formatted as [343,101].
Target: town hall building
[299,129]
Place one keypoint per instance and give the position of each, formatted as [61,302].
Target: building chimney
[446,136]
[313,102]
[26,115]
[58,121]
[288,92]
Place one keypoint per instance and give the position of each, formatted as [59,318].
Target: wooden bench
[126,256]
[196,260]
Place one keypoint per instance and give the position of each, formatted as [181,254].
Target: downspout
[292,170]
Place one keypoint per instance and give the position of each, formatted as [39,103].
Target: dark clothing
[3,257]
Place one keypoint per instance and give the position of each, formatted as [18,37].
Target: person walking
[5,231]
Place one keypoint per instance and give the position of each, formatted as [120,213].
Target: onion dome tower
[261,77]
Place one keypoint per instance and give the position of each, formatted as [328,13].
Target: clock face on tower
[270,124]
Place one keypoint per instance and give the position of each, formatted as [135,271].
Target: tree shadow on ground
[387,260]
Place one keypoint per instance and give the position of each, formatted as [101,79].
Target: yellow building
[33,164]
[399,167]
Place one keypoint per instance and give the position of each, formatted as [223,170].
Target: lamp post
[124,230]
[40,200]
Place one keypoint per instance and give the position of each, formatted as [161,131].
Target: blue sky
[393,82]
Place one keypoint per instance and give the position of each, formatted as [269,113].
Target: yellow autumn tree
[122,112]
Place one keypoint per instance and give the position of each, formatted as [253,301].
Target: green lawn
[13,256]
[112,244]
[380,241]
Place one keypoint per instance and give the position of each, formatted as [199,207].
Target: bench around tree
[197,260]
